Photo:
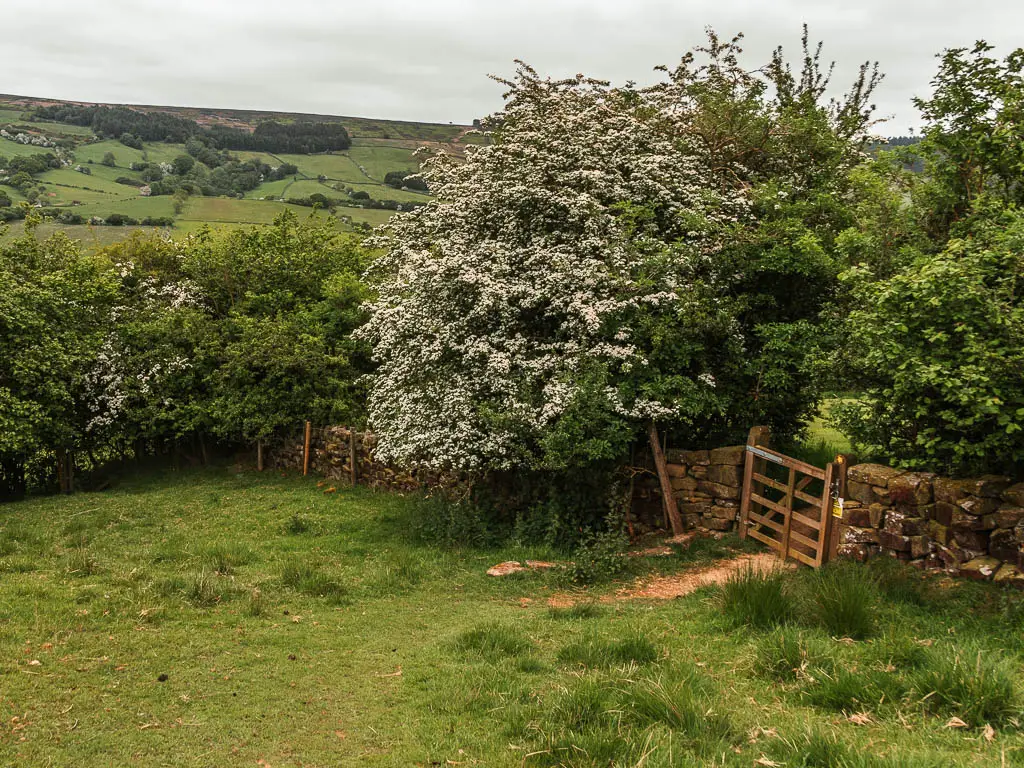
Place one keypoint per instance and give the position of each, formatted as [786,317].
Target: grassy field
[227,618]
[379,146]
[377,161]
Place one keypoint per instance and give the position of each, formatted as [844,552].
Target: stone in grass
[1009,575]
[980,568]
[506,569]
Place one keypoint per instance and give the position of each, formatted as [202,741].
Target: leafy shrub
[976,685]
[600,558]
[757,598]
[941,389]
[494,641]
[842,599]
[449,523]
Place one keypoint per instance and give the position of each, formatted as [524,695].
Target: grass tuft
[684,701]
[225,559]
[308,579]
[757,598]
[596,651]
[787,653]
[81,562]
[842,689]
[977,686]
[842,599]
[255,607]
[204,590]
[494,642]
[296,525]
[575,612]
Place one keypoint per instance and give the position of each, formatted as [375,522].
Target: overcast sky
[428,60]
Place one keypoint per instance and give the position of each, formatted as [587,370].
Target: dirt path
[680,584]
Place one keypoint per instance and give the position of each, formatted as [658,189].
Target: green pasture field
[272,189]
[11,115]
[226,617]
[60,128]
[359,127]
[337,167]
[100,182]
[10,148]
[227,209]
[379,160]
[137,207]
[371,216]
[95,151]
[92,237]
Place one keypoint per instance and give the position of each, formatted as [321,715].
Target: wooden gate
[794,511]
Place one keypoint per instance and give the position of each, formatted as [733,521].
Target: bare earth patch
[680,584]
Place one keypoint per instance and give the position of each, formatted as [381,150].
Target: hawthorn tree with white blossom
[613,256]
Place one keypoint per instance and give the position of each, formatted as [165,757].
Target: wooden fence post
[758,436]
[305,449]
[353,459]
[259,455]
[669,501]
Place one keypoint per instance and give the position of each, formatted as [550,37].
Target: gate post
[833,526]
[758,436]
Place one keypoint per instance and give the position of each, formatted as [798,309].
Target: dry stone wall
[706,485]
[973,528]
[330,456]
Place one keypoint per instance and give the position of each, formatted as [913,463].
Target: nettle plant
[595,266]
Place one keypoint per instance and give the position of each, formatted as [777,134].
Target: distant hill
[100,170]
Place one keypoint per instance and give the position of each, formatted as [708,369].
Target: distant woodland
[133,127]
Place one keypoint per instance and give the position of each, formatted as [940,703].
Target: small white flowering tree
[516,314]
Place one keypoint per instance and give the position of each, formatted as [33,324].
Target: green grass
[183,619]
[377,161]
